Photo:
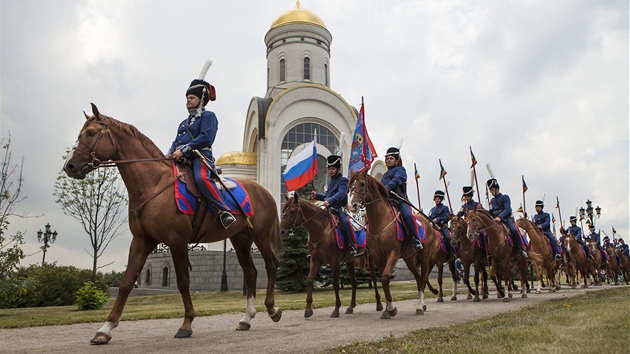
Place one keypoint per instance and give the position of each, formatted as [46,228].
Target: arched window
[303,133]
[165,276]
[307,69]
[147,279]
[282,70]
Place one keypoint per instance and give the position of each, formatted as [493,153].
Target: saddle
[185,174]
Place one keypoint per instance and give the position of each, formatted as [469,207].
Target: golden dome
[297,15]
[238,158]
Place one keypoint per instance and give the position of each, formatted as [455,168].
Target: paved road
[293,334]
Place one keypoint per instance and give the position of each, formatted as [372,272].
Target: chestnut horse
[470,254]
[612,268]
[322,246]
[385,249]
[624,265]
[154,217]
[596,264]
[502,254]
[540,245]
[578,261]
[431,255]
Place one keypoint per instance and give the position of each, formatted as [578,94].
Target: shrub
[90,298]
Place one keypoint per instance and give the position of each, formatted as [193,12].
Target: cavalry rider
[595,237]
[469,202]
[624,248]
[501,209]
[606,244]
[197,132]
[395,181]
[440,215]
[543,222]
[336,198]
[577,232]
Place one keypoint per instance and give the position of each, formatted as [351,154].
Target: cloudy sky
[537,88]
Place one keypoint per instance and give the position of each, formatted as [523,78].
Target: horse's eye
[91,133]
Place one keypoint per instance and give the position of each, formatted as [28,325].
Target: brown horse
[385,249]
[612,268]
[596,264]
[432,255]
[470,254]
[624,265]
[502,254]
[578,261]
[322,246]
[154,217]
[540,245]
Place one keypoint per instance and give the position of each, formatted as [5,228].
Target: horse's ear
[296,197]
[95,111]
[86,116]
[286,197]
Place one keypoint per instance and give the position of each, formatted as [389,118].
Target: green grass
[206,304]
[596,322]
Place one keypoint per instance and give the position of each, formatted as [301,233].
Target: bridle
[294,226]
[361,194]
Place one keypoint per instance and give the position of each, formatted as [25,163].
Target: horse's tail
[535,256]
[277,247]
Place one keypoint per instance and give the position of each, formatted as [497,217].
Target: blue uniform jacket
[595,238]
[575,231]
[204,130]
[336,192]
[470,205]
[441,213]
[542,219]
[501,204]
[395,179]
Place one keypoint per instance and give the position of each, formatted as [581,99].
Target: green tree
[10,187]
[99,203]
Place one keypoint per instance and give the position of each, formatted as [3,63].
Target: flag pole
[474,163]
[524,190]
[417,176]
[443,177]
[559,214]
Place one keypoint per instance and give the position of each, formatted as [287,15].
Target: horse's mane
[376,184]
[129,129]
[484,212]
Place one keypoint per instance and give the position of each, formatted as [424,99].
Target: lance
[559,214]
[416,177]
[524,190]
[553,222]
[474,163]
[203,160]
[405,200]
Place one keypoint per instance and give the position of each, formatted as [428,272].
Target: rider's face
[390,161]
[494,191]
[192,102]
[332,171]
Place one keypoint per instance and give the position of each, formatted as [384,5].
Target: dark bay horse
[624,265]
[502,254]
[154,217]
[547,264]
[612,269]
[385,249]
[470,254]
[578,261]
[322,246]
[432,255]
[596,264]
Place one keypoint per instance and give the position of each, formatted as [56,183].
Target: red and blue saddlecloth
[187,203]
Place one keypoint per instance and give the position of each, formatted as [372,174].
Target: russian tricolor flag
[301,168]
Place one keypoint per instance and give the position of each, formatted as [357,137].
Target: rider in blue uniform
[395,181]
[607,244]
[624,248]
[595,237]
[501,209]
[577,232]
[197,132]
[440,214]
[469,202]
[336,198]
[543,222]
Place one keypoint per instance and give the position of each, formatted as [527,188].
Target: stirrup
[417,245]
[352,251]
[558,257]
[227,219]
[524,254]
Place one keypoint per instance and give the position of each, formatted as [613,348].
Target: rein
[294,226]
[366,203]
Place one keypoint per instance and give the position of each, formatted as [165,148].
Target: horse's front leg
[179,252]
[335,267]
[507,279]
[353,283]
[523,275]
[451,266]
[315,265]
[242,244]
[440,269]
[139,250]
[386,276]
[377,296]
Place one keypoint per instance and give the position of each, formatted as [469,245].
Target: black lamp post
[588,212]
[48,238]
[224,283]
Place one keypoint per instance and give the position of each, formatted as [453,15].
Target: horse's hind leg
[179,252]
[353,283]
[242,245]
[411,264]
[138,253]
[379,305]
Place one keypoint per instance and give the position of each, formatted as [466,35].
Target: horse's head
[292,215]
[91,147]
[358,186]
[459,228]
[475,223]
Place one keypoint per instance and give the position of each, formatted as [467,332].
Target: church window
[147,280]
[165,276]
[282,70]
[325,74]
[307,69]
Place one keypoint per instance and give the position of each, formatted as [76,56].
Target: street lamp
[47,238]
[588,212]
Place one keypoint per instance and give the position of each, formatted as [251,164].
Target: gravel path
[293,334]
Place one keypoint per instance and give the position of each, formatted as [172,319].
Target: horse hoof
[424,307]
[419,312]
[434,291]
[349,311]
[453,298]
[278,315]
[440,299]
[538,291]
[100,338]
[335,314]
[385,315]
[506,299]
[524,296]
[243,326]
[476,299]
[308,313]
[528,291]
[394,312]
[469,297]
[183,333]
[379,307]
[510,296]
